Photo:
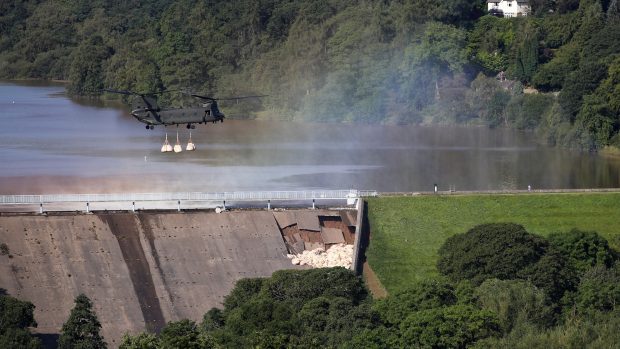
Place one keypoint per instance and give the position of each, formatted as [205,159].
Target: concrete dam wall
[141,270]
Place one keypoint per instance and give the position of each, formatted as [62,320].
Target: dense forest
[400,61]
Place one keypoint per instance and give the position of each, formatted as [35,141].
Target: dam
[143,269]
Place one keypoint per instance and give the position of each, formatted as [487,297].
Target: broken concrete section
[307,230]
[332,236]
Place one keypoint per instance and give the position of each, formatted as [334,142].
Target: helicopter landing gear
[191,126]
[150,127]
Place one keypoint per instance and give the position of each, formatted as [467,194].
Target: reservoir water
[52,144]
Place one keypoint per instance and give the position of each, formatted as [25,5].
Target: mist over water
[52,144]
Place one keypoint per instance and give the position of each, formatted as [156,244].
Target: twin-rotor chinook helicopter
[145,109]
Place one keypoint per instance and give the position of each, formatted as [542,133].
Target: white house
[509,8]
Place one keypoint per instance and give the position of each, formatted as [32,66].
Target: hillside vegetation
[403,61]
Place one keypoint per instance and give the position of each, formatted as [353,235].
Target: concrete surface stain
[125,229]
[145,222]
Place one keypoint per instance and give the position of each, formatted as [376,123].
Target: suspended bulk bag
[166,147]
[190,144]
[177,147]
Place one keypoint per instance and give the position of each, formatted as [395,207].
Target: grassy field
[406,232]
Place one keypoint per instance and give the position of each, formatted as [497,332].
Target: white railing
[187,196]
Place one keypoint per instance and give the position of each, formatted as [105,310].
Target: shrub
[585,249]
[497,250]
[427,294]
[297,286]
[599,290]
[456,326]
[4,249]
[515,302]
[553,273]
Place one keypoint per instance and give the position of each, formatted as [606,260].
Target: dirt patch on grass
[373,283]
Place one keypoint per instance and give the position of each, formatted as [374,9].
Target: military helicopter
[145,109]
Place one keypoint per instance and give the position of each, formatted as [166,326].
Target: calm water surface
[52,144]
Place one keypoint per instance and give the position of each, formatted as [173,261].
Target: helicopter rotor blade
[164,91]
[129,93]
[203,97]
[240,97]
[226,98]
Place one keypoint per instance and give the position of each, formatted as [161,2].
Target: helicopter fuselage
[178,116]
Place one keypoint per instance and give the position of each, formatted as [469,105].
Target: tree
[441,47]
[82,328]
[376,338]
[86,73]
[490,41]
[516,302]
[212,320]
[15,318]
[599,290]
[427,294]
[578,84]
[299,286]
[244,290]
[553,273]
[332,322]
[585,249]
[19,338]
[496,250]
[184,334]
[139,341]
[552,75]
[527,54]
[456,326]
[316,307]
[15,313]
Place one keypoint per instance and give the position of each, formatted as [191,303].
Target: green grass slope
[406,232]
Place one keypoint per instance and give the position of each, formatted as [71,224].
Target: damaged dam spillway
[140,270]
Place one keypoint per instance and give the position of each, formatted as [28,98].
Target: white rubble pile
[340,255]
